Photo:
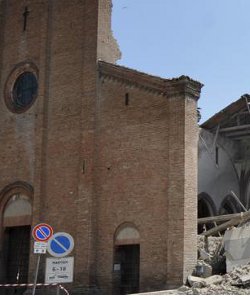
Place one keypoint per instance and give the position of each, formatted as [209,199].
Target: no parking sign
[42,232]
[60,244]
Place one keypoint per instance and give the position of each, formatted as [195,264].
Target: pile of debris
[211,257]
[210,275]
[223,265]
[235,282]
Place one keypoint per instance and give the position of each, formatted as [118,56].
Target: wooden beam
[220,218]
[235,221]
[235,128]
[238,135]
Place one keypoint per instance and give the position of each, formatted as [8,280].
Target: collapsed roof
[232,121]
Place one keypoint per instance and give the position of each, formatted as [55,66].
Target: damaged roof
[226,114]
[163,86]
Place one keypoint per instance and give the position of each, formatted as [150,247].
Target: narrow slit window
[83,166]
[217,155]
[126,99]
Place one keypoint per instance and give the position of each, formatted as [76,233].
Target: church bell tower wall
[50,144]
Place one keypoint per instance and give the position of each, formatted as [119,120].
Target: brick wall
[93,161]
[47,145]
[147,176]
[132,177]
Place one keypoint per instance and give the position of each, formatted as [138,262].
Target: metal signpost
[60,269]
[41,234]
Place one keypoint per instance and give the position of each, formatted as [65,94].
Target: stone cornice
[166,87]
[183,86]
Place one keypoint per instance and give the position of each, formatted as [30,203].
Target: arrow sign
[60,244]
[42,232]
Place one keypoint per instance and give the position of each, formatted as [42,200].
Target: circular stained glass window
[24,91]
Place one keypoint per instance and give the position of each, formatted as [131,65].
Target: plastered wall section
[217,180]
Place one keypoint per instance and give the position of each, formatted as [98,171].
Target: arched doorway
[126,267]
[229,206]
[16,215]
[206,208]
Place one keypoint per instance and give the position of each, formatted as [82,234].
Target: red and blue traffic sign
[42,232]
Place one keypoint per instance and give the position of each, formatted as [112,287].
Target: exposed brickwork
[108,49]
[88,155]
[132,146]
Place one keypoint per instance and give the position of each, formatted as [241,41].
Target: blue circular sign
[60,244]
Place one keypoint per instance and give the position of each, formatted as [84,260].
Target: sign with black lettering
[59,270]
[40,247]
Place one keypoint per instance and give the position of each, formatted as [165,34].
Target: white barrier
[37,285]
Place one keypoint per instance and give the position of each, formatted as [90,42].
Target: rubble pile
[211,259]
[235,282]
[210,275]
[212,245]
[223,265]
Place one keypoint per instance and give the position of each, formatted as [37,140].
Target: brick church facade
[103,152]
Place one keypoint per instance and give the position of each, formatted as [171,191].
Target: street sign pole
[41,234]
[36,275]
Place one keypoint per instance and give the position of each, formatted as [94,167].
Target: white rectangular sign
[59,270]
[40,247]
